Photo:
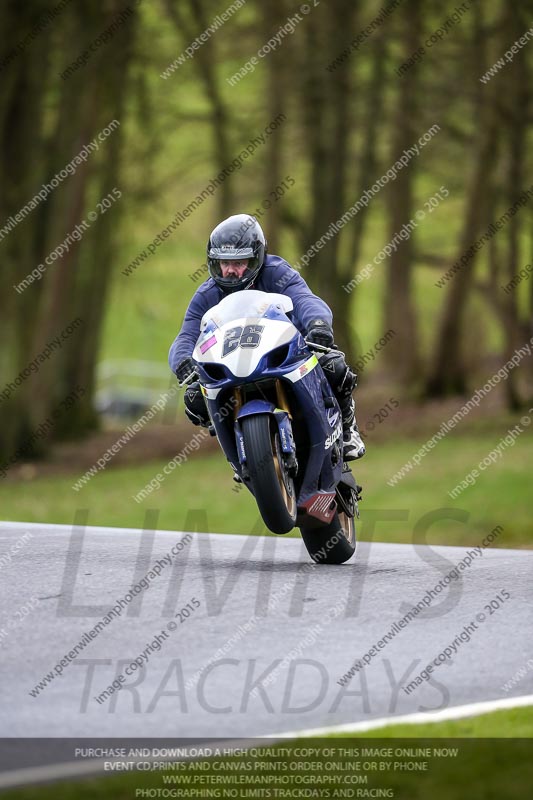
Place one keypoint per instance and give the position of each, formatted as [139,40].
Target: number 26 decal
[249,336]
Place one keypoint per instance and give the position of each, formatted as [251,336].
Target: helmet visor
[228,252]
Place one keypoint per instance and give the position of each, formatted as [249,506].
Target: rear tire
[272,487]
[331,544]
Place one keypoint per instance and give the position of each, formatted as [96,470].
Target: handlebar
[320,348]
[189,379]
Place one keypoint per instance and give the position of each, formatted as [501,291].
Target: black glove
[320,333]
[195,406]
[185,369]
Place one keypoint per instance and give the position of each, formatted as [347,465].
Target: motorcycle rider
[237,259]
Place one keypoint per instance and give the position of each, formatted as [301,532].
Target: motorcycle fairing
[248,339]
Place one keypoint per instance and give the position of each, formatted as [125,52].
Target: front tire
[272,487]
[333,543]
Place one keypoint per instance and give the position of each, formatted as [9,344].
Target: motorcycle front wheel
[272,487]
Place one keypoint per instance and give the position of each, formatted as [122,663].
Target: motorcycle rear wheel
[272,487]
[333,543]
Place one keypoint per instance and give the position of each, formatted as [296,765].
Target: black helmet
[237,237]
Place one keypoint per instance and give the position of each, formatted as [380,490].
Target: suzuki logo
[332,416]
[333,438]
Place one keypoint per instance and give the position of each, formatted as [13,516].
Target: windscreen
[248,303]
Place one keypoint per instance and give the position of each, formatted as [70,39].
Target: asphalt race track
[246,607]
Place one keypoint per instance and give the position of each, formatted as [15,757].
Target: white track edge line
[455,712]
[58,527]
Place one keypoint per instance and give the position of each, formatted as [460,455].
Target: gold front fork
[237,394]
[282,398]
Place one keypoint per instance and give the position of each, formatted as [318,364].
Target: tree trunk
[373,105]
[402,353]
[21,113]
[274,14]
[516,101]
[43,125]
[205,61]
[96,267]
[327,101]
[447,372]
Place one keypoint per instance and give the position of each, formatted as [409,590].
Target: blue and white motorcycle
[277,421]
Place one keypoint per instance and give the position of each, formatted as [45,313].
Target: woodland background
[349,112]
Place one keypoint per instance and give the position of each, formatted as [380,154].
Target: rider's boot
[353,445]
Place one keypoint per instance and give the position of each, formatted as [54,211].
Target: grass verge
[480,758]
[201,495]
